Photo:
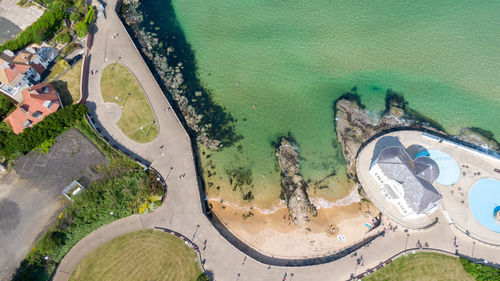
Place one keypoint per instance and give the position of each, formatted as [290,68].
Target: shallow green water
[292,59]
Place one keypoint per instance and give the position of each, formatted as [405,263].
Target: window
[24,108]
[37,114]
[47,104]
[27,123]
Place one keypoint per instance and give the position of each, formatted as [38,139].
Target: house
[23,70]
[407,182]
[38,102]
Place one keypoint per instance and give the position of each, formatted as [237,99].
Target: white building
[407,182]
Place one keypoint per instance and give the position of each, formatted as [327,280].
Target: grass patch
[149,254]
[137,120]
[68,85]
[57,69]
[422,266]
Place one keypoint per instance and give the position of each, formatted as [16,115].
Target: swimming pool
[449,172]
[484,201]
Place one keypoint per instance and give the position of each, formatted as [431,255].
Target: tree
[82,29]
[63,37]
[75,16]
[5,106]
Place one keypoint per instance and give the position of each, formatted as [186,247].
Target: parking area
[30,194]
[14,19]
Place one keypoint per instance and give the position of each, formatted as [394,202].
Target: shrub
[82,29]
[75,16]
[70,47]
[203,277]
[63,37]
[480,272]
[45,146]
[5,107]
[61,4]
[89,17]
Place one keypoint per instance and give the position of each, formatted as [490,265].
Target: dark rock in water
[480,137]
[213,126]
[294,187]
[354,127]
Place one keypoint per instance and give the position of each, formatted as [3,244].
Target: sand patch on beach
[275,235]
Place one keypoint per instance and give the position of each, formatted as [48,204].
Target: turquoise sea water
[292,59]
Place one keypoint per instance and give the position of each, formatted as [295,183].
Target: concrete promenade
[182,210]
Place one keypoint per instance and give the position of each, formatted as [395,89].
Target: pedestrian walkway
[171,154]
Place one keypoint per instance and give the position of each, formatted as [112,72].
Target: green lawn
[137,121]
[422,266]
[68,85]
[140,255]
[58,68]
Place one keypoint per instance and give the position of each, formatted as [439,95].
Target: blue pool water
[449,172]
[484,201]
[422,153]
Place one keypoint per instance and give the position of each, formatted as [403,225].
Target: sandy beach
[274,234]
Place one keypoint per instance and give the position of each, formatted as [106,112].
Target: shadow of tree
[64,94]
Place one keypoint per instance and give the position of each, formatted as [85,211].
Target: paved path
[182,210]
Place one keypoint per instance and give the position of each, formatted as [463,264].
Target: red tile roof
[39,101]
[14,70]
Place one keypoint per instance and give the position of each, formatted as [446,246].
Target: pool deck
[454,205]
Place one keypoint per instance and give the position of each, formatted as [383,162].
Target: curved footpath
[182,210]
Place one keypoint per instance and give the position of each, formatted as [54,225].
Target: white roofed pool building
[407,182]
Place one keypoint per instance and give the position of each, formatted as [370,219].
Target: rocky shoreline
[294,187]
[175,67]
[354,125]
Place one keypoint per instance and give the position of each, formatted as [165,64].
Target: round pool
[484,201]
[449,172]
